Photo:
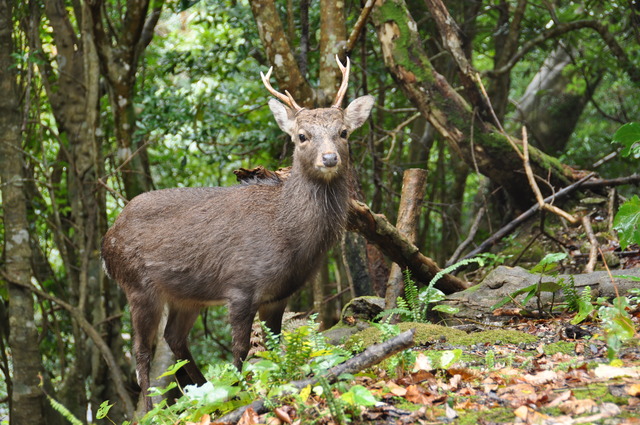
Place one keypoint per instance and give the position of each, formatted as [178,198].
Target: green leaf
[627,277]
[629,136]
[446,309]
[103,410]
[359,396]
[154,391]
[548,262]
[627,222]
[210,394]
[171,370]
[449,357]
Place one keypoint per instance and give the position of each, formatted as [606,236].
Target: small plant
[627,220]
[582,303]
[546,266]
[297,354]
[617,325]
[414,306]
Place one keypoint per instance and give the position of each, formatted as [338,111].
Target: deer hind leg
[272,313]
[176,334]
[145,318]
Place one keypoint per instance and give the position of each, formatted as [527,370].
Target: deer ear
[358,111]
[283,115]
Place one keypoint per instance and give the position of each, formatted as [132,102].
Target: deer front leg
[241,315]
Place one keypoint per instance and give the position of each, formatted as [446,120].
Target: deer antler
[345,82]
[288,99]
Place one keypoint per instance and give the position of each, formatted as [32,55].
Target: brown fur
[250,246]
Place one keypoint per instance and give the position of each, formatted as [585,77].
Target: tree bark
[414,185]
[549,108]
[333,40]
[26,398]
[476,140]
[279,54]
[120,53]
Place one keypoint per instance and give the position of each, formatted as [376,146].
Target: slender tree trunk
[333,39]
[285,68]
[26,398]
[414,185]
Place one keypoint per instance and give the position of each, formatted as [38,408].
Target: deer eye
[343,134]
[302,137]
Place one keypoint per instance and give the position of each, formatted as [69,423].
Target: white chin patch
[327,170]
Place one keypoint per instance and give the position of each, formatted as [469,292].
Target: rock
[475,303]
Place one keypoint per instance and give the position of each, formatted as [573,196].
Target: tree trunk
[285,68]
[414,185]
[549,108]
[120,48]
[333,39]
[26,398]
[477,141]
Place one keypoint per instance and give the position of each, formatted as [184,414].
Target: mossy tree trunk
[466,126]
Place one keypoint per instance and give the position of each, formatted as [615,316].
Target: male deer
[250,245]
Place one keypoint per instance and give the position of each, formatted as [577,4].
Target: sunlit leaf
[627,222]
[629,136]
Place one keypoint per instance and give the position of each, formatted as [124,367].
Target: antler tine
[288,99]
[345,82]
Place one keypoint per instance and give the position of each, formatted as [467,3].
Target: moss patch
[564,347]
[426,332]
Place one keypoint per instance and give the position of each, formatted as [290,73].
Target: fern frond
[66,413]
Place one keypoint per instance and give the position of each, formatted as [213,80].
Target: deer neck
[315,206]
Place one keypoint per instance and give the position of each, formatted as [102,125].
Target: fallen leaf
[422,363]
[633,390]
[541,377]
[454,382]
[249,417]
[282,415]
[578,407]
[396,389]
[608,372]
[564,396]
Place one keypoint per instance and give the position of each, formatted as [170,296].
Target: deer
[250,246]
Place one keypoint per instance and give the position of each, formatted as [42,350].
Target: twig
[606,266]
[359,25]
[593,251]
[369,357]
[466,242]
[534,186]
[510,227]
[620,181]
[495,117]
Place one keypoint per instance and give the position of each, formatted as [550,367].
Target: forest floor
[542,371]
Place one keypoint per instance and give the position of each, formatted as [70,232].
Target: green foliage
[303,352]
[629,136]
[546,265]
[617,325]
[582,303]
[397,364]
[627,222]
[414,307]
[66,413]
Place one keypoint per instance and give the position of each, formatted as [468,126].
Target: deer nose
[330,159]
